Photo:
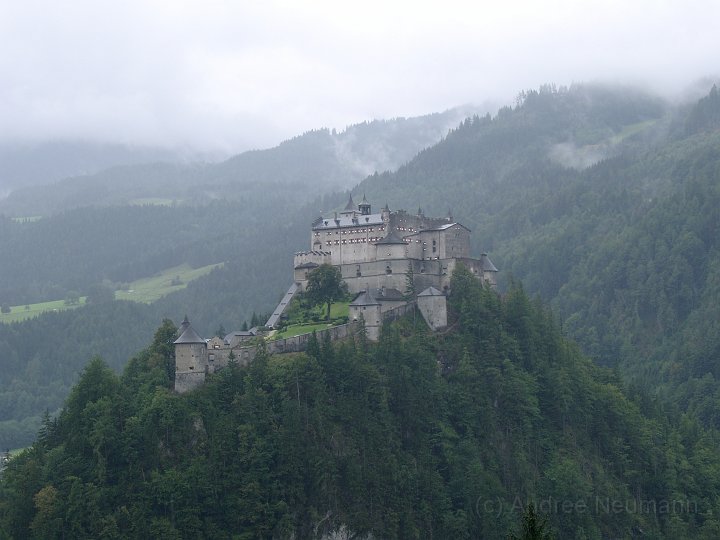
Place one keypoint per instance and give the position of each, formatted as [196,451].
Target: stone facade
[378,255]
[381,249]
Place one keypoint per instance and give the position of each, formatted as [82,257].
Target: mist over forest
[589,375]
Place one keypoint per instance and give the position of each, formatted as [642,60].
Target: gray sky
[234,74]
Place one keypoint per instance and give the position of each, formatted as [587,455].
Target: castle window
[211,357]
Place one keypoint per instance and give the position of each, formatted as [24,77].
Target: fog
[228,76]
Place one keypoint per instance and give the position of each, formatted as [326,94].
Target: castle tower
[489,270]
[191,360]
[391,247]
[369,309]
[433,306]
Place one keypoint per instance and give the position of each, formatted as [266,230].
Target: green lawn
[147,290]
[298,326]
[20,313]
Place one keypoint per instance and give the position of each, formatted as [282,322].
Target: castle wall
[186,381]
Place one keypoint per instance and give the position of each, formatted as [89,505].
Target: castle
[379,256]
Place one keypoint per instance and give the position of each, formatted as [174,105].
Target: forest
[418,436]
[600,206]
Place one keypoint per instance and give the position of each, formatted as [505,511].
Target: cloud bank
[236,75]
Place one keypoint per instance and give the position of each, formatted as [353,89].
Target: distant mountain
[312,163]
[42,163]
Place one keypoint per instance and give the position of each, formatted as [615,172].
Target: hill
[418,436]
[41,163]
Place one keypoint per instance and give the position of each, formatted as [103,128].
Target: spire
[189,335]
[183,325]
[350,206]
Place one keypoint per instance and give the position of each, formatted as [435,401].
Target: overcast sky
[236,74]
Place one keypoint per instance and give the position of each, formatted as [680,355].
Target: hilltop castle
[376,250]
[379,255]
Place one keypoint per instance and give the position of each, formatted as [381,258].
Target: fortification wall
[396,313]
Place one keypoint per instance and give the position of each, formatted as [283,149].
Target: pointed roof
[189,336]
[487,264]
[183,325]
[391,238]
[350,206]
[364,201]
[431,291]
[365,299]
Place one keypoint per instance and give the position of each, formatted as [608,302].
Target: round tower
[191,363]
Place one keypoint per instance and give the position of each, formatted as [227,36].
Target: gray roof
[307,265]
[446,226]
[392,238]
[350,205]
[240,334]
[388,294]
[346,220]
[365,298]
[487,264]
[431,291]
[189,336]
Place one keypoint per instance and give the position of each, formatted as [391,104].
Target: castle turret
[364,207]
[489,270]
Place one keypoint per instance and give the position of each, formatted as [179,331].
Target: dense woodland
[417,436]
[602,201]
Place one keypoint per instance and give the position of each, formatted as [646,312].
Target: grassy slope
[146,290]
[20,313]
[298,326]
